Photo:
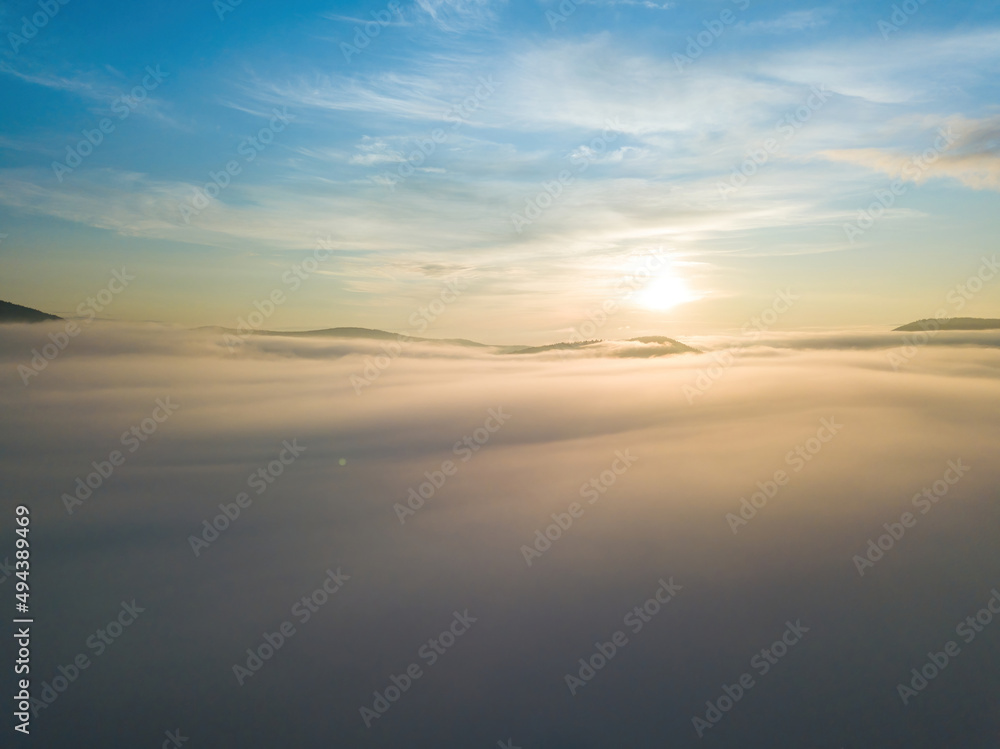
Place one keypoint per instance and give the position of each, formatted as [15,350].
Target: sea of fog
[790,544]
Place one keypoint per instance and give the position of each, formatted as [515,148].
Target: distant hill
[366,333]
[10,312]
[955,323]
[564,346]
[655,345]
[677,346]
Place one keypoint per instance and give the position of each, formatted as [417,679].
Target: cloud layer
[564,423]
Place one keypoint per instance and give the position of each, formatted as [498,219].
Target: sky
[510,167]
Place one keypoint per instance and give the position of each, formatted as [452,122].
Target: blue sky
[645,120]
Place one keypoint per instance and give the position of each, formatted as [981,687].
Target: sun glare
[664,292]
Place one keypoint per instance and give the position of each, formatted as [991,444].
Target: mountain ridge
[375,334]
[17,313]
[954,323]
[12,313]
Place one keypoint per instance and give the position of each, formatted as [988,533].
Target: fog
[668,445]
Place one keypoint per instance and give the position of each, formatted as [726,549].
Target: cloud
[923,70]
[460,15]
[665,517]
[649,4]
[102,91]
[86,86]
[796,20]
[972,156]
[613,156]
[396,20]
[376,151]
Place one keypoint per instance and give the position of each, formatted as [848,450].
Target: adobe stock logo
[174,739]
[123,107]
[635,620]
[249,148]
[31,26]
[465,448]
[364,36]
[923,500]
[544,538]
[132,439]
[768,489]
[303,610]
[230,513]
[99,642]
[762,662]
[714,28]
[88,310]
[431,651]
[968,629]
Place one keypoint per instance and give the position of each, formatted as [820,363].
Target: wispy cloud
[972,157]
[796,20]
[100,90]
[395,20]
[460,15]
[376,151]
[84,85]
[920,69]
[650,4]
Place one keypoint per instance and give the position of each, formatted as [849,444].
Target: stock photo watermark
[132,438]
[625,287]
[224,7]
[967,629]
[465,448]
[751,331]
[419,320]
[259,481]
[99,642]
[264,308]
[797,460]
[901,15]
[249,148]
[30,26]
[923,500]
[303,610]
[6,570]
[960,295]
[88,310]
[123,107]
[885,198]
[788,126]
[174,739]
[636,619]
[364,35]
[583,156]
[591,491]
[762,663]
[430,652]
[714,28]
[459,114]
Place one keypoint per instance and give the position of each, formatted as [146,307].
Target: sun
[664,292]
